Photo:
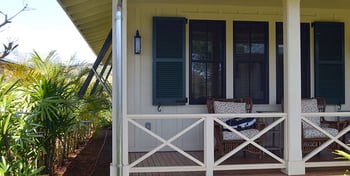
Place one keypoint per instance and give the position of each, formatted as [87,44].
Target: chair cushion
[228,135]
[308,106]
[314,133]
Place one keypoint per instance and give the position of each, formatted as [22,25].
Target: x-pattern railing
[250,140]
[204,119]
[167,142]
[209,164]
[331,137]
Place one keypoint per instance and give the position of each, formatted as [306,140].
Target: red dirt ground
[93,159]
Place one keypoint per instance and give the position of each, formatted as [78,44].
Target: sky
[43,27]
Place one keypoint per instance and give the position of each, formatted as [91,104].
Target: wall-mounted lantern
[137,43]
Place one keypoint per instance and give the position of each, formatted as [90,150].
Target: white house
[269,50]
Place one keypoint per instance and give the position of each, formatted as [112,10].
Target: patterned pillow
[308,106]
[222,107]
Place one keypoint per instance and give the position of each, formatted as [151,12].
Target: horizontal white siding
[140,66]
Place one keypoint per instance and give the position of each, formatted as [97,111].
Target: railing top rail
[245,115]
[190,116]
[326,114]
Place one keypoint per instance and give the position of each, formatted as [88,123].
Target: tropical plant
[48,98]
[50,95]
[18,138]
[343,155]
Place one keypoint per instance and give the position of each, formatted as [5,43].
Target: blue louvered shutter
[169,61]
[329,61]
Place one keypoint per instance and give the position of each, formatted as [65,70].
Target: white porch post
[209,145]
[292,87]
[119,165]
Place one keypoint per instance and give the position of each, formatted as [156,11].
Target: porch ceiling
[93,17]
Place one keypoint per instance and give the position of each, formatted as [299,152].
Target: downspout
[116,167]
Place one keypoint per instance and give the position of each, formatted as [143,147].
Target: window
[169,61]
[250,50]
[329,61]
[305,61]
[207,60]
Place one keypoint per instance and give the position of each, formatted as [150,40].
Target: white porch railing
[209,164]
[336,116]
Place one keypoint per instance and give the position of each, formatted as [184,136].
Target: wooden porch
[164,159]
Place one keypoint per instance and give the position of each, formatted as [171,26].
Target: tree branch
[8,20]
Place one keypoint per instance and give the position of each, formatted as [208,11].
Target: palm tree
[52,101]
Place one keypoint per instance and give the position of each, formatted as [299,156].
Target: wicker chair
[225,141]
[311,137]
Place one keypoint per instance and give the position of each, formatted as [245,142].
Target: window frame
[264,63]
[222,60]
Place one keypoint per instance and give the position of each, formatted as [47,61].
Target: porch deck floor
[175,158]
